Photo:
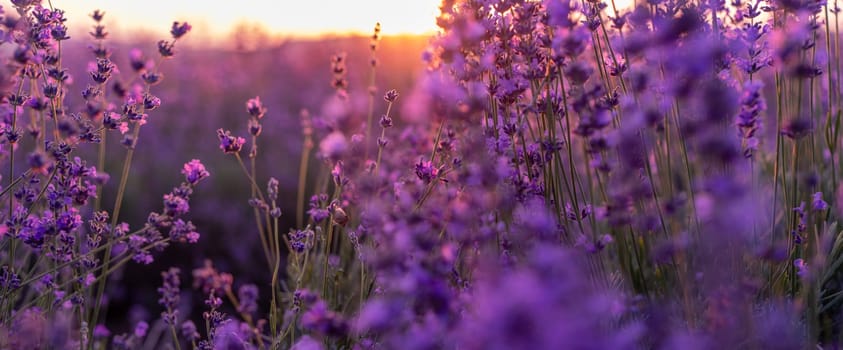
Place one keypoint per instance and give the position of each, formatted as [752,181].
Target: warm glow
[216,19]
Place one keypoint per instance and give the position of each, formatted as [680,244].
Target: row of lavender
[561,177]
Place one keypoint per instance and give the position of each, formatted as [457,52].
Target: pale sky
[285,17]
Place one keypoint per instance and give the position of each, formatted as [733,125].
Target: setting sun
[298,18]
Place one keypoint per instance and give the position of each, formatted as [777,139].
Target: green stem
[118,203]
[305,159]
[264,243]
[175,336]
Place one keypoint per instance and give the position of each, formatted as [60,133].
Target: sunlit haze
[286,17]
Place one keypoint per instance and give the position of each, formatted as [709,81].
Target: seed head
[391,96]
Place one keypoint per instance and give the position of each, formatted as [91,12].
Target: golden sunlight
[285,17]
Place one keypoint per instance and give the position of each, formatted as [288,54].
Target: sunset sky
[284,17]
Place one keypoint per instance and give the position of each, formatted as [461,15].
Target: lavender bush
[61,241]
[564,175]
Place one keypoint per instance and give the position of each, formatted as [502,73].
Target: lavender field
[540,174]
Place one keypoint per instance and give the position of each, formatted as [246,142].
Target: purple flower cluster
[169,292]
[63,238]
[228,143]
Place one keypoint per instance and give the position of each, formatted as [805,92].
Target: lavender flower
[179,29]
[248,296]
[9,280]
[797,128]
[229,336]
[208,279]
[165,48]
[319,319]
[230,144]
[194,172]
[255,108]
[272,188]
[385,121]
[426,171]
[307,343]
[391,96]
[188,331]
[170,295]
[801,267]
[749,118]
[101,332]
[300,239]
[817,202]
[182,231]
[333,146]
[140,329]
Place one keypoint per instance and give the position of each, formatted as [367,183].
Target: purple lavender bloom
[320,319]
[165,48]
[9,280]
[189,332]
[102,72]
[749,118]
[797,128]
[255,108]
[36,103]
[101,332]
[152,78]
[214,303]
[801,267]
[97,15]
[175,205]
[248,295]
[333,146]
[230,337]
[169,291]
[150,102]
[300,240]
[180,29]
[230,144]
[817,202]
[194,172]
[802,216]
[317,211]
[140,329]
[137,60]
[307,343]
[385,121]
[38,162]
[391,95]
[559,12]
[208,279]
[377,315]
[536,221]
[18,100]
[140,255]
[27,331]
[426,171]
[272,188]
[182,231]
[546,304]
[255,127]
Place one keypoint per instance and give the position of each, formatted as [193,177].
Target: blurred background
[215,22]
